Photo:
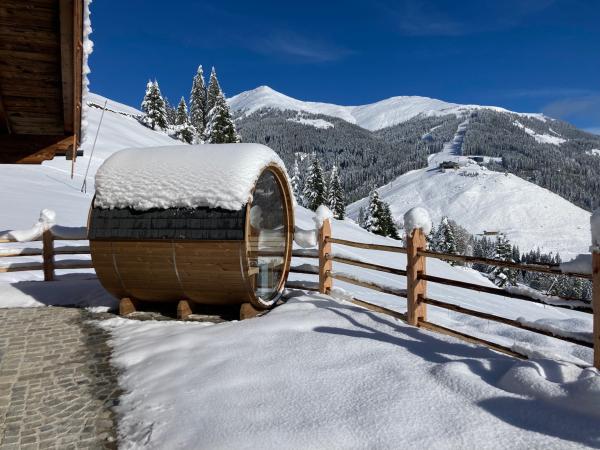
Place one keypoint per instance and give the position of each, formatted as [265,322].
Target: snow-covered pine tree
[220,128]
[171,112]
[373,216]
[442,237]
[432,243]
[314,186]
[448,238]
[213,91]
[153,106]
[184,129]
[335,195]
[296,182]
[387,221]
[362,217]
[198,111]
[503,275]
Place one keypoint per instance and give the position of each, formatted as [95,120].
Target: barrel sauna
[211,224]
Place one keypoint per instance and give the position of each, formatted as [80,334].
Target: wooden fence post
[325,265]
[416,288]
[596,305]
[48,255]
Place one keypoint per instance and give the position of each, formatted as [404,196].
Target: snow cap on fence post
[321,214]
[417,217]
[47,217]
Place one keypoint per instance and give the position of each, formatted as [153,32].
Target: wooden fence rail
[417,279]
[48,264]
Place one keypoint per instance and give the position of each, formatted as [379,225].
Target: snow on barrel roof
[213,175]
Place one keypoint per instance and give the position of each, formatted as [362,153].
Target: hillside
[376,143]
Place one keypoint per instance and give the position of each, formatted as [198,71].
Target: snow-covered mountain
[483,200]
[374,116]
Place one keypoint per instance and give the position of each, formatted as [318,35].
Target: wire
[84,185]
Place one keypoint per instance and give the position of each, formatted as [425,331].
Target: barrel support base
[127,306]
[184,310]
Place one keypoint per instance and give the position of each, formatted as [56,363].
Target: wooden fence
[417,298]
[48,252]
[416,275]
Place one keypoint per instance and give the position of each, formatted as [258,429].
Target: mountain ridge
[373,116]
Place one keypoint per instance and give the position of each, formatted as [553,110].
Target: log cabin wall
[40,79]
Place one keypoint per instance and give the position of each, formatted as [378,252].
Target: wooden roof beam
[67,56]
[32,149]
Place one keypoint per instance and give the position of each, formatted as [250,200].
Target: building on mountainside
[445,165]
[41,79]
[212,224]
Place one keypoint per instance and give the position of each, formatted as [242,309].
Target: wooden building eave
[41,58]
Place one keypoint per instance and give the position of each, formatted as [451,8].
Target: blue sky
[524,55]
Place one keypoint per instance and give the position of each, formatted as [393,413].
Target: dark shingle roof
[172,223]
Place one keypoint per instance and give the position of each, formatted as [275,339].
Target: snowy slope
[373,116]
[482,200]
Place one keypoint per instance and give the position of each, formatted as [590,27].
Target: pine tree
[153,106]
[198,111]
[387,221]
[335,195]
[314,186]
[296,181]
[220,128]
[362,217]
[443,238]
[503,275]
[171,112]
[185,131]
[373,219]
[213,91]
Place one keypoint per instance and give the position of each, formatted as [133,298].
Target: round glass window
[267,237]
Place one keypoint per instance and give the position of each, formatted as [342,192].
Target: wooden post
[184,309]
[127,306]
[596,305]
[248,311]
[48,255]
[416,288]
[325,265]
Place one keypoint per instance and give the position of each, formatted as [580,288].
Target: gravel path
[56,383]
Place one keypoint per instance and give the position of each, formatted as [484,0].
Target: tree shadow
[526,413]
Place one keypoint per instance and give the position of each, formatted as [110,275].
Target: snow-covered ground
[373,116]
[319,372]
[482,200]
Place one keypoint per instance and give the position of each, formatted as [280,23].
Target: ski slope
[374,116]
[482,200]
